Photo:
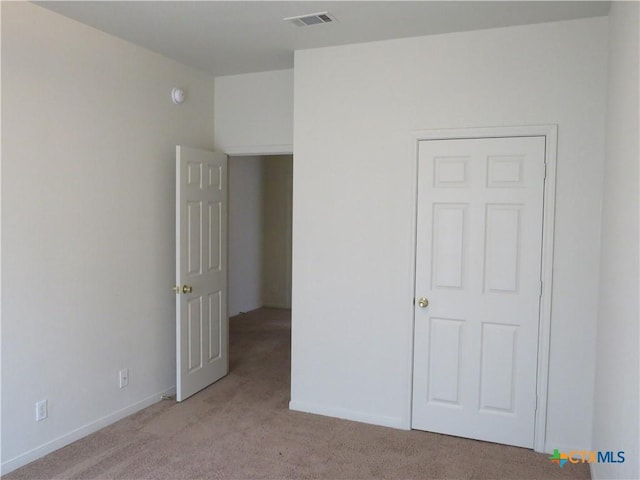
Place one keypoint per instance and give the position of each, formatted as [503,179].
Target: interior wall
[254,113]
[354,200]
[616,421]
[246,194]
[277,212]
[88,237]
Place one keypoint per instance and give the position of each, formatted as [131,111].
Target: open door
[201,270]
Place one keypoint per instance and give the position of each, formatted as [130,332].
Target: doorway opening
[259,232]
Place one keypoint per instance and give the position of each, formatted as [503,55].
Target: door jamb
[550,132]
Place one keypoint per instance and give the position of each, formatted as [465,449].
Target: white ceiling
[232,37]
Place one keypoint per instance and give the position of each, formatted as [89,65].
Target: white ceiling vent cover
[311,19]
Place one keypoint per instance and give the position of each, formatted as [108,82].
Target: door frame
[550,133]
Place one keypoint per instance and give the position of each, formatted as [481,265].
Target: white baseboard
[80,432]
[384,421]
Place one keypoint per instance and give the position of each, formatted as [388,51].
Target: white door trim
[258,150]
[550,132]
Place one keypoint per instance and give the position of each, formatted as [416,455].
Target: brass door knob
[185,289]
[423,302]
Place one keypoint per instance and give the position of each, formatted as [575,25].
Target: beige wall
[278,177]
[246,231]
[616,405]
[354,200]
[88,238]
[254,113]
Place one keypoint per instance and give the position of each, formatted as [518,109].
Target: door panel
[449,245]
[201,310]
[478,261]
[445,350]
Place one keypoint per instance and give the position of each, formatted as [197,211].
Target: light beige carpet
[241,428]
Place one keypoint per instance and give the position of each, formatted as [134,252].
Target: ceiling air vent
[310,19]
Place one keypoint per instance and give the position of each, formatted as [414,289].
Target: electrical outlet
[124,377]
[41,410]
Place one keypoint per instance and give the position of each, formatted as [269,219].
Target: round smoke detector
[178,96]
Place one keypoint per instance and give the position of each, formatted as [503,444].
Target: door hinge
[541,287]
[545,171]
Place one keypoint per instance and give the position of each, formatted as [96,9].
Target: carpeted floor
[241,428]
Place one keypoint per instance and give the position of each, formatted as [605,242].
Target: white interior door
[201,270]
[478,264]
